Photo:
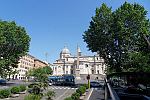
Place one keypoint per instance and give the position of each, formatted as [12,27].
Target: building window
[86,65]
[102,68]
[92,71]
[80,63]
[71,71]
[97,71]
[66,67]
[97,58]
[72,67]
[66,72]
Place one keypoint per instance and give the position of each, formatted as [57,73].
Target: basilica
[81,64]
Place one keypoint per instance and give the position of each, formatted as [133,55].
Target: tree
[14,43]
[118,37]
[41,75]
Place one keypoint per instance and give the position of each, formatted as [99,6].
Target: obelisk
[77,70]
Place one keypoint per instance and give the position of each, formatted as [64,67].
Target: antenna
[46,55]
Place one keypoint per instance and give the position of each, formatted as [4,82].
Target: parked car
[95,84]
[2,81]
[50,83]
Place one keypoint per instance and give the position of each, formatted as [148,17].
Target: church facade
[68,64]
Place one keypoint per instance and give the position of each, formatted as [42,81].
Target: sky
[53,24]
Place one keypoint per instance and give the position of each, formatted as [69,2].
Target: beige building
[38,63]
[25,63]
[68,64]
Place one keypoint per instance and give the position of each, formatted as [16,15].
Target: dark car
[95,84]
[2,81]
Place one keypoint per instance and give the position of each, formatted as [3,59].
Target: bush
[32,97]
[68,98]
[81,90]
[50,94]
[15,90]
[85,85]
[36,89]
[32,84]
[22,88]
[5,93]
[75,96]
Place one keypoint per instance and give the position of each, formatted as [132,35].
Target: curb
[89,94]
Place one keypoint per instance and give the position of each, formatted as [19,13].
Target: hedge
[5,93]
[81,90]
[32,97]
[15,90]
[22,88]
[75,96]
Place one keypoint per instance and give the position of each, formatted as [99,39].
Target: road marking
[61,95]
[62,88]
[89,94]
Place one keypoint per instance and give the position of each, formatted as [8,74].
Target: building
[68,64]
[25,63]
[39,63]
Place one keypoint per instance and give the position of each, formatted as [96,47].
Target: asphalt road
[61,91]
[97,94]
[13,83]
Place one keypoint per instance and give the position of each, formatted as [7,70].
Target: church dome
[65,51]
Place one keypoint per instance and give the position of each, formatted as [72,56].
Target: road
[61,91]
[13,83]
[97,94]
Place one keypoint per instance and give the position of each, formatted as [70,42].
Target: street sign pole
[88,78]
[89,84]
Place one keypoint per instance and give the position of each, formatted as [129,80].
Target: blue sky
[52,24]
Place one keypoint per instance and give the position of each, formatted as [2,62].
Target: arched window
[97,58]
[86,65]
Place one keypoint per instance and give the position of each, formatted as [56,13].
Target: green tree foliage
[50,94]
[41,75]
[118,37]
[14,43]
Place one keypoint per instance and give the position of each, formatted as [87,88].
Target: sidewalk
[88,94]
[93,94]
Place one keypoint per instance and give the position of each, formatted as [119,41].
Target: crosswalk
[97,88]
[65,88]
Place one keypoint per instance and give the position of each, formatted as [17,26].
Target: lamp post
[88,78]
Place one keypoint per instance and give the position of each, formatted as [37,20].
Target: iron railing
[110,93]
